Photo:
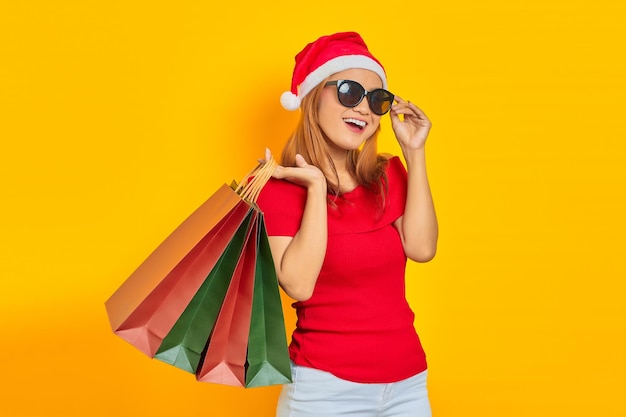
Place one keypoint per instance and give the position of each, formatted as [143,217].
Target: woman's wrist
[317,188]
[414,156]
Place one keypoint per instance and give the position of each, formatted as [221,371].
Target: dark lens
[380,101]
[350,93]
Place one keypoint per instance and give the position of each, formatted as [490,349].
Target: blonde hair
[308,140]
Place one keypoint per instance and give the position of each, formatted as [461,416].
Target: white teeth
[356,122]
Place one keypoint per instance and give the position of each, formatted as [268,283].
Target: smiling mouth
[360,124]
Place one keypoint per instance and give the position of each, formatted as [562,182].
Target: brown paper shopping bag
[146,306]
[206,300]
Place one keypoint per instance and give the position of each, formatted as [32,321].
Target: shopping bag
[225,359]
[268,357]
[191,302]
[148,303]
[248,346]
[184,344]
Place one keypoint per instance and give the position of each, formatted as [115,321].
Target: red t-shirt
[357,325]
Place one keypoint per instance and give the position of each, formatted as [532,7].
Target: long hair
[308,140]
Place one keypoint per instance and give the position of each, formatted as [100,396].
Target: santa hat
[324,57]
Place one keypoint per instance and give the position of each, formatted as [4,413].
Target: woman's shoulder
[395,167]
[281,193]
[393,172]
[396,184]
[282,204]
[283,189]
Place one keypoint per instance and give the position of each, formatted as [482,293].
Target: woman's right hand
[298,259]
[302,174]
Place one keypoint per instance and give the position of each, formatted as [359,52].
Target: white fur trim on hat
[292,102]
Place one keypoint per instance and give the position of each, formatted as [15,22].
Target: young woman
[342,222]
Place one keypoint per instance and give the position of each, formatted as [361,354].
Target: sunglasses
[351,93]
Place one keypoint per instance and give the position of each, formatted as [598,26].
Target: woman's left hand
[412,131]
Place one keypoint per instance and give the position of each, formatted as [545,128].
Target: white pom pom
[289,101]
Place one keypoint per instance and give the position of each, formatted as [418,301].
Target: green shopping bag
[248,346]
[146,306]
[268,357]
[224,361]
[184,345]
[207,299]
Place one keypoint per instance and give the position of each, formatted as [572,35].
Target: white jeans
[315,393]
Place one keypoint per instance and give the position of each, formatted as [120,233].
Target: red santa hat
[324,57]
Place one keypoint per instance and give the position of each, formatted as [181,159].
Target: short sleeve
[397,187]
[282,204]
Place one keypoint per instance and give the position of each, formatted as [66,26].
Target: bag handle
[250,188]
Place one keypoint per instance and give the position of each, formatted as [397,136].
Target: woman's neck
[347,182]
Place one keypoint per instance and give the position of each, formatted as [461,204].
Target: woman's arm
[418,226]
[298,259]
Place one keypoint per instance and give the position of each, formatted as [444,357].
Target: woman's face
[347,128]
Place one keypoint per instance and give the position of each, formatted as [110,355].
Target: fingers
[268,157]
[406,108]
[402,104]
[302,173]
[281,172]
[300,162]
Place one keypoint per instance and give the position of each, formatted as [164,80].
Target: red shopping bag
[192,302]
[225,358]
[185,344]
[146,306]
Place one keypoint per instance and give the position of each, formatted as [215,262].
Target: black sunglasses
[351,93]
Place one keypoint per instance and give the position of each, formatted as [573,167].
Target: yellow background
[118,119]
